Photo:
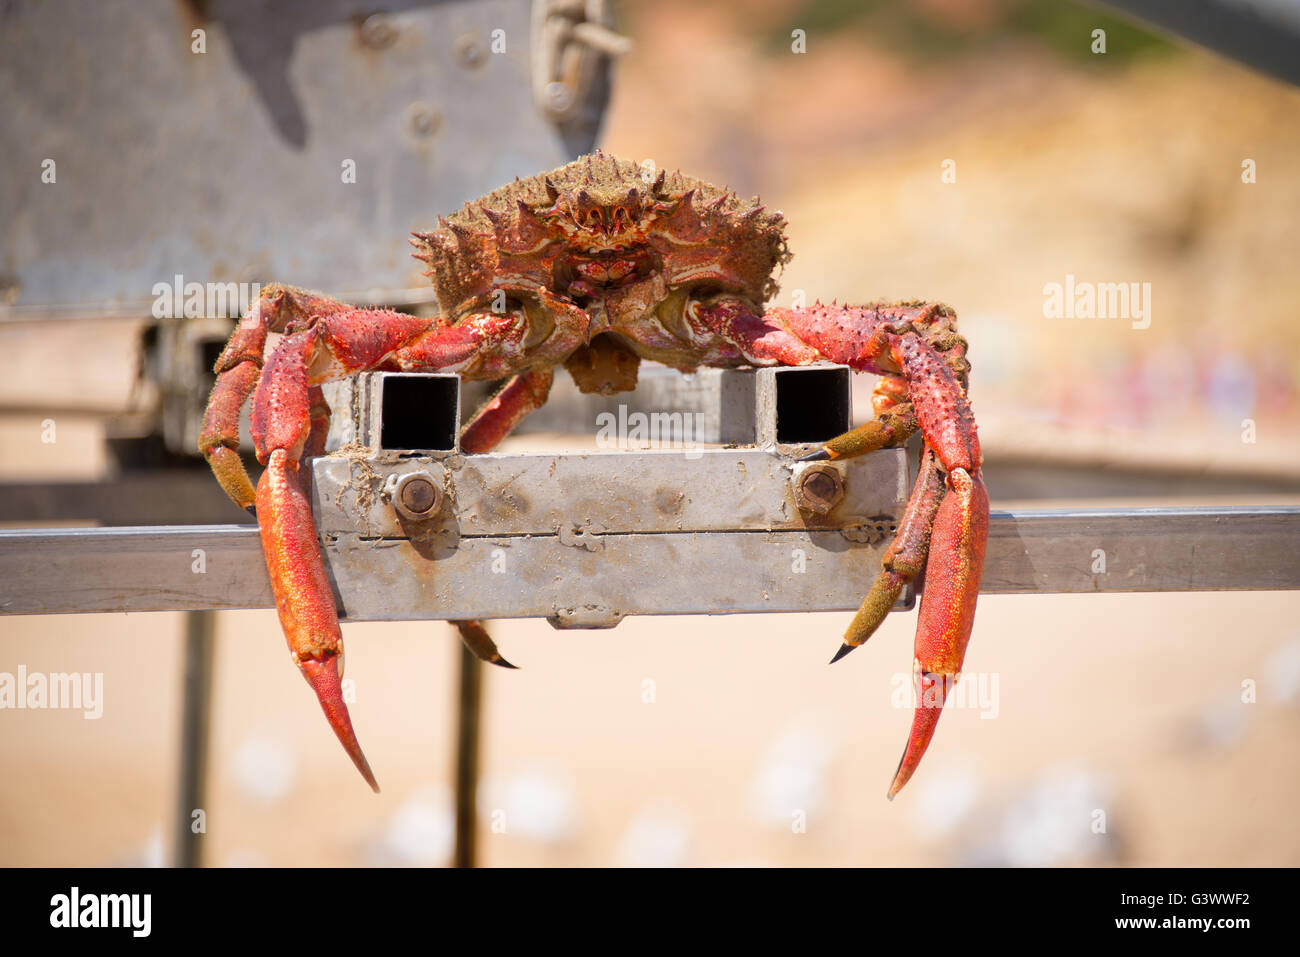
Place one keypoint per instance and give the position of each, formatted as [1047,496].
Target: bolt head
[416,496]
[819,488]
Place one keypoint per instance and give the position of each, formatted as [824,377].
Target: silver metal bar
[86,570]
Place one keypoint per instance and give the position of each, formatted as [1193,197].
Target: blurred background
[966,151]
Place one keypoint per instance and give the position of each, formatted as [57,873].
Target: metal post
[195,708]
[467,746]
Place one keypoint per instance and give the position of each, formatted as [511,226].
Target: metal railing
[1245,548]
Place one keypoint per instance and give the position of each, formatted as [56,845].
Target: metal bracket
[584,539]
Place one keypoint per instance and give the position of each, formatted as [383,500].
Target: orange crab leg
[957,540]
[943,628]
[289,419]
[238,370]
[303,596]
[945,526]
[324,340]
[905,557]
[521,396]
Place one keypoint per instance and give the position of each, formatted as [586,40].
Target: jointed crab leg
[916,348]
[289,418]
[324,339]
[894,424]
[522,395]
[303,596]
[952,583]
[238,370]
[905,557]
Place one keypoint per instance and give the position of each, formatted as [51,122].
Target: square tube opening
[812,405]
[419,412]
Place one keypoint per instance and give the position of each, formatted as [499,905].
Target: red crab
[595,266]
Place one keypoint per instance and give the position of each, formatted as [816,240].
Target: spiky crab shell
[524,235]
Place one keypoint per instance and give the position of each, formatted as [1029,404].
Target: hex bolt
[416,497]
[819,488]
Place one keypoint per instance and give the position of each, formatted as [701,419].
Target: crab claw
[952,582]
[303,596]
[326,680]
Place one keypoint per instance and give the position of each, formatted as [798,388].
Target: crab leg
[238,369]
[324,340]
[284,408]
[480,643]
[952,583]
[522,395]
[957,541]
[905,557]
[913,345]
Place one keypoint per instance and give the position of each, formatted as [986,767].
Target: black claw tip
[818,456]
[501,662]
[251,510]
[844,650]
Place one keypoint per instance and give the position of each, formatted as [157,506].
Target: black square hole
[419,412]
[812,405]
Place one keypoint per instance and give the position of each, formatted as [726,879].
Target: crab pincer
[952,582]
[303,597]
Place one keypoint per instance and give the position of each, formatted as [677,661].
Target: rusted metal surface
[584,539]
[572,43]
[818,486]
[587,538]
